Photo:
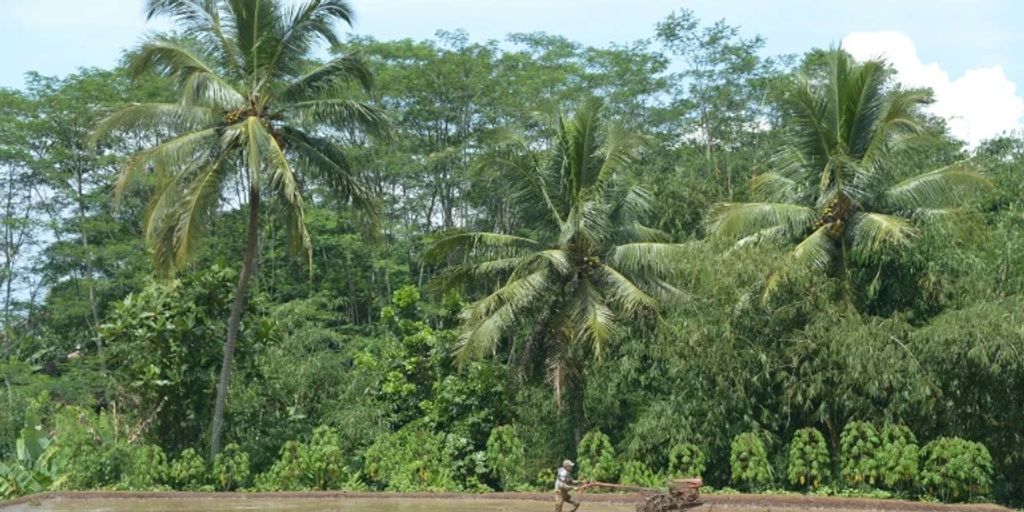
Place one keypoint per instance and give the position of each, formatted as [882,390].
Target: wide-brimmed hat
[567,462]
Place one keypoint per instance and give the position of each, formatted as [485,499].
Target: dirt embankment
[730,501]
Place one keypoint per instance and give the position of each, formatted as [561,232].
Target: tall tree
[252,109]
[583,263]
[834,189]
[18,199]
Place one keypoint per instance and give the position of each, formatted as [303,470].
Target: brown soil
[710,502]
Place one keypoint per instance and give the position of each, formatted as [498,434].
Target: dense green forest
[450,264]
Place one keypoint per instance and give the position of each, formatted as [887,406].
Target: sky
[968,51]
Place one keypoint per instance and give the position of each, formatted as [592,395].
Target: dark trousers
[561,497]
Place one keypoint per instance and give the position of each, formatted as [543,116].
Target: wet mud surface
[425,502]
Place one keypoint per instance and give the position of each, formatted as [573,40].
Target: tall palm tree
[582,263]
[253,109]
[834,191]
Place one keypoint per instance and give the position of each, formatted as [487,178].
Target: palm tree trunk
[248,262]
[847,296]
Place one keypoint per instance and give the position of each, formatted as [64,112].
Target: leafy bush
[188,471]
[33,471]
[637,473]
[319,464]
[91,451]
[955,469]
[898,457]
[505,457]
[230,468]
[685,460]
[859,445]
[469,465]
[545,479]
[411,459]
[147,470]
[597,458]
[18,480]
[748,460]
[286,473]
[808,459]
[322,460]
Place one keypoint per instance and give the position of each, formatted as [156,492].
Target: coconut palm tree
[252,109]
[835,193]
[582,263]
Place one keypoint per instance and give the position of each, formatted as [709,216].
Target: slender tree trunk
[577,415]
[248,262]
[89,271]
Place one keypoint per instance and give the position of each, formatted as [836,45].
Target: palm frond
[814,253]
[513,161]
[809,127]
[180,152]
[593,321]
[873,231]
[200,19]
[772,235]
[626,294]
[644,257]
[204,89]
[307,22]
[343,113]
[618,153]
[197,204]
[776,188]
[151,117]
[901,122]
[327,77]
[936,188]
[282,180]
[737,220]
[169,57]
[631,204]
[257,26]
[578,150]
[458,275]
[864,102]
[462,244]
[489,318]
[324,162]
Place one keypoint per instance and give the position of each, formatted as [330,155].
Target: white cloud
[977,105]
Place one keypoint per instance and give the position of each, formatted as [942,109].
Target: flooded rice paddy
[301,505]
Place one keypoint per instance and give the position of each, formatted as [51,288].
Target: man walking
[563,484]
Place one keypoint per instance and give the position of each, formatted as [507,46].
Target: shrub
[545,479]
[506,457]
[898,457]
[411,459]
[188,471]
[88,450]
[147,470]
[322,460]
[859,445]
[685,460]
[808,459]
[318,464]
[286,473]
[230,468]
[955,469]
[597,458]
[34,469]
[748,460]
[637,473]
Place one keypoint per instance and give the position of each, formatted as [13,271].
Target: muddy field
[379,502]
